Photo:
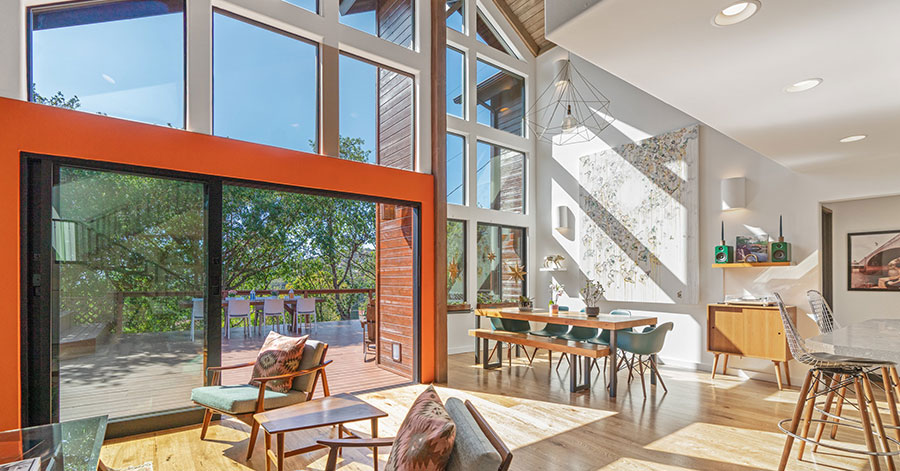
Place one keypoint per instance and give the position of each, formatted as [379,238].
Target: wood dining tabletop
[580,319]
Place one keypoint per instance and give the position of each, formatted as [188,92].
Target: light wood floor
[729,424]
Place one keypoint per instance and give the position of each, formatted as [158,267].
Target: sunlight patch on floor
[632,464]
[718,442]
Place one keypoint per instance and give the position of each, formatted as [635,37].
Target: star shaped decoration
[453,271]
[491,256]
[517,272]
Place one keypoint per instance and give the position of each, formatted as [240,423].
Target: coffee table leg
[375,449]
[268,447]
[280,438]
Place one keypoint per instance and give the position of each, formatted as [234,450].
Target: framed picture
[874,261]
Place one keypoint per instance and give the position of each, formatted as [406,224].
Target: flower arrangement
[231,293]
[592,293]
[556,290]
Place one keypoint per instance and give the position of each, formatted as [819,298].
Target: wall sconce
[562,219]
[734,193]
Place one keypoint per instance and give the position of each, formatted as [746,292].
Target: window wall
[489,156]
[275,78]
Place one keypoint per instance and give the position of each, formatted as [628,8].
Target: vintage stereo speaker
[724,253]
[780,251]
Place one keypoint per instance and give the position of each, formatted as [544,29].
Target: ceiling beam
[518,26]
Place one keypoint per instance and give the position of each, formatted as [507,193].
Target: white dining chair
[237,309]
[198,312]
[273,307]
[306,307]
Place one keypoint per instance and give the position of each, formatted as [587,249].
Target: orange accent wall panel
[38,129]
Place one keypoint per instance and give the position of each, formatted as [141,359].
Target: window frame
[500,228]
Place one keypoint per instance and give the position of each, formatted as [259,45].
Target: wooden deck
[143,373]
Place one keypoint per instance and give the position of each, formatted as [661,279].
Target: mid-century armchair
[243,400]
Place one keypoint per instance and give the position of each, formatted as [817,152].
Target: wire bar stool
[829,375]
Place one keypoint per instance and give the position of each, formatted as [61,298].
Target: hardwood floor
[700,424]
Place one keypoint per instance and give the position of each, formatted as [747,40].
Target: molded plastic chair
[641,344]
[198,312]
[237,309]
[510,325]
[552,331]
[273,307]
[603,338]
[306,307]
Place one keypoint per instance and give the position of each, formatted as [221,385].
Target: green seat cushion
[241,398]
[471,451]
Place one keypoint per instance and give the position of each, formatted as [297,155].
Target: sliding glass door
[128,289]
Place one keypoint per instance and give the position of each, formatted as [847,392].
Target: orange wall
[27,127]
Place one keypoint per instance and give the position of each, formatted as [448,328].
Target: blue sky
[265,83]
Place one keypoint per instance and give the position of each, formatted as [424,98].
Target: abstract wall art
[640,223]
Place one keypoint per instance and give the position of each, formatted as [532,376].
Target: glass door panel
[128,292]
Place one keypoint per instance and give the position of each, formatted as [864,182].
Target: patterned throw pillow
[279,355]
[425,438]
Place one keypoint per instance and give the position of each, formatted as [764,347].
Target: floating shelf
[751,264]
[553,269]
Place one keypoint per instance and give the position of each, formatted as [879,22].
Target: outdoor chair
[273,308]
[306,307]
[198,313]
[476,447]
[237,309]
[368,332]
[243,400]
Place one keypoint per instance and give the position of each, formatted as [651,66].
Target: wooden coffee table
[323,412]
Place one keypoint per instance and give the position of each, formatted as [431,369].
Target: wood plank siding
[395,279]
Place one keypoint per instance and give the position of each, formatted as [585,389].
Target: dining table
[874,338]
[580,319]
[290,306]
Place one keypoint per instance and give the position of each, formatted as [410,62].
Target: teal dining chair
[603,338]
[510,325]
[552,331]
[577,334]
[644,344]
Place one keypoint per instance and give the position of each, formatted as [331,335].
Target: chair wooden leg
[564,355]
[254,431]
[807,414]
[842,396]
[659,377]
[795,421]
[207,416]
[715,365]
[641,371]
[891,400]
[896,379]
[829,400]
[867,425]
[533,354]
[879,425]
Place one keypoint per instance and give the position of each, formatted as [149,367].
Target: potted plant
[525,303]
[556,290]
[592,293]
[487,300]
[230,293]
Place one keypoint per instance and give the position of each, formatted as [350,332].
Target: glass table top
[67,446]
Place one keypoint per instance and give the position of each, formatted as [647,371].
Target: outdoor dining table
[290,305]
[601,321]
[875,338]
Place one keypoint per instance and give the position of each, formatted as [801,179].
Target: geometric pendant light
[570,110]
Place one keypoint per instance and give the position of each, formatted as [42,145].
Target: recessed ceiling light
[854,138]
[803,85]
[736,13]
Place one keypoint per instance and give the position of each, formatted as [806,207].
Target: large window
[500,178]
[388,19]
[456,169]
[456,262]
[456,79]
[501,96]
[486,34]
[501,263]
[123,59]
[376,114]
[265,85]
[311,5]
[456,14]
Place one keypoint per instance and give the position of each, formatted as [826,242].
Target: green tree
[58,100]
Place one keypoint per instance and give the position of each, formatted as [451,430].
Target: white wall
[771,190]
[862,215]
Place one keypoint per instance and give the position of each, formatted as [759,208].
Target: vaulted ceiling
[527,17]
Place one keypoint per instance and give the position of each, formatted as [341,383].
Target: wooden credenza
[749,331]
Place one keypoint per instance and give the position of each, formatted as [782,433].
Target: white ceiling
[732,78]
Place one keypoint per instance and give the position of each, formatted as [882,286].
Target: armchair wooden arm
[260,399]
[217,371]
[335,444]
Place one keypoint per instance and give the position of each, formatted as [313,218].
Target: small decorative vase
[592,311]
[554,308]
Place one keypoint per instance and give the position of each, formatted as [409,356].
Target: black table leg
[477,326]
[485,355]
[613,363]
[579,375]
